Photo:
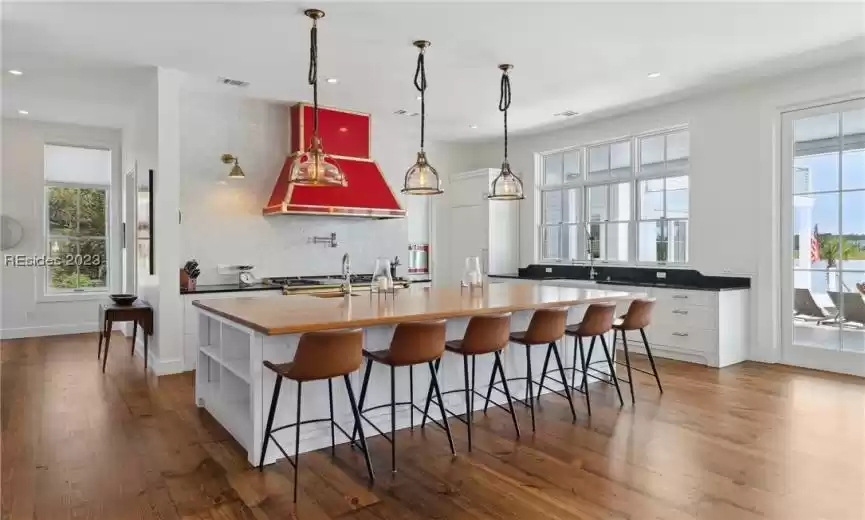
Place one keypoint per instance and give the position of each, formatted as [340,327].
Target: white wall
[24,313]
[222,221]
[734,175]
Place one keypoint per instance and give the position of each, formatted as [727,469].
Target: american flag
[815,246]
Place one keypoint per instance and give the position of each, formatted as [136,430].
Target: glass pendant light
[314,167]
[506,185]
[421,178]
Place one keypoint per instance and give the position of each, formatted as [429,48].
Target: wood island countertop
[297,313]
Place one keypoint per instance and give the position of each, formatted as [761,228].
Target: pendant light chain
[313,73]
[420,84]
[504,104]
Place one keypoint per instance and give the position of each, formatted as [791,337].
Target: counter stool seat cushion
[454,345]
[385,357]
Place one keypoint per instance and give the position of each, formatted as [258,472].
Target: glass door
[823,222]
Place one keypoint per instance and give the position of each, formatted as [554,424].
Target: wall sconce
[236,172]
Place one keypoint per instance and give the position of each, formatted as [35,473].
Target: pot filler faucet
[345,288]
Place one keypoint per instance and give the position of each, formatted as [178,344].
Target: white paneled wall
[222,221]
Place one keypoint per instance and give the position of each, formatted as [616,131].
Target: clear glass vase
[382,281]
[472,276]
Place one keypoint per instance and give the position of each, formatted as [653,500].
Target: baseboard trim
[53,330]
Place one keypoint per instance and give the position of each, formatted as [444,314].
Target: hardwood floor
[749,442]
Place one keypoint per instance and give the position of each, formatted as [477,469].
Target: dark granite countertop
[685,279]
[231,287]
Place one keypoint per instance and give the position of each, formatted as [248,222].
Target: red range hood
[346,137]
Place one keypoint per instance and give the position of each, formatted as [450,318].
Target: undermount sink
[332,295]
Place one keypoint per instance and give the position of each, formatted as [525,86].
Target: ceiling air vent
[567,113]
[233,82]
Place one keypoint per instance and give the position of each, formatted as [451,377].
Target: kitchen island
[237,334]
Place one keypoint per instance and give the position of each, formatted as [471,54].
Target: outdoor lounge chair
[804,306]
[852,309]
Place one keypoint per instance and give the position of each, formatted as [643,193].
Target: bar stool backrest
[597,320]
[487,333]
[639,314]
[547,325]
[418,342]
[327,354]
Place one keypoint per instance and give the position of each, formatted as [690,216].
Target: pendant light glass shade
[421,178]
[314,167]
[506,185]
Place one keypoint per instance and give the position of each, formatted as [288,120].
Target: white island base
[235,388]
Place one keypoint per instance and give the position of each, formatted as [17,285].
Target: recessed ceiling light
[15,72]
[333,80]
[473,126]
[23,112]
[654,75]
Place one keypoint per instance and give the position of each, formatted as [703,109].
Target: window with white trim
[624,201]
[77,183]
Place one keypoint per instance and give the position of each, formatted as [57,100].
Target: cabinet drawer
[684,339]
[685,297]
[671,314]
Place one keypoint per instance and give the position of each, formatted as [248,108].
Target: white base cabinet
[706,327]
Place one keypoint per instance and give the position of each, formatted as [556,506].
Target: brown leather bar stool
[487,334]
[319,356]
[597,321]
[638,317]
[546,327]
[413,343]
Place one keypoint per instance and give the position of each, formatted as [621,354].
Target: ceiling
[591,58]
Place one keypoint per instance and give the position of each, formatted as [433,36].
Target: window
[631,204]
[77,181]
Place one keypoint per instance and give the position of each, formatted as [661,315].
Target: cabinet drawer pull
[679,311]
[681,334]
[680,296]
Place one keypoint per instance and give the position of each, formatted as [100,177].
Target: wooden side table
[139,313]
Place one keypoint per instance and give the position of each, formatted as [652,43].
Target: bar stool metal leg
[363,388]
[355,411]
[651,359]
[555,350]
[435,385]
[297,440]
[544,371]
[276,388]
[612,370]
[393,419]
[498,363]
[411,395]
[429,396]
[468,402]
[584,390]
[529,384]
[332,427]
[628,366]
[584,384]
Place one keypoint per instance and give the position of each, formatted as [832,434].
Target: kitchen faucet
[592,272]
[345,288]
